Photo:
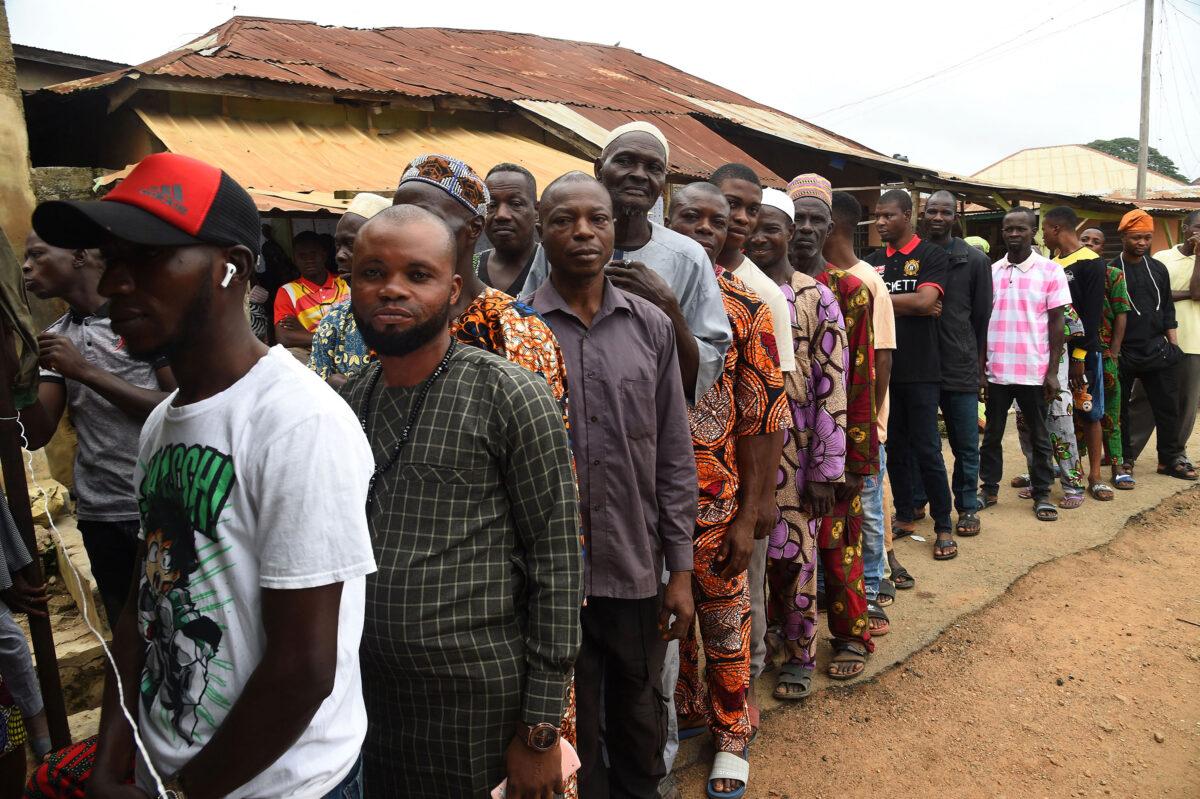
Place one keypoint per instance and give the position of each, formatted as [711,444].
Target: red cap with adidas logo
[167,200]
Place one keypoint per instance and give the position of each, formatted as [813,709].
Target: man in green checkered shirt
[472,621]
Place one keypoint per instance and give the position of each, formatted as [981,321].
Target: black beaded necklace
[372,380]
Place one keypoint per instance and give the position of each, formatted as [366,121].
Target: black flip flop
[902,579]
[968,524]
[887,592]
[942,544]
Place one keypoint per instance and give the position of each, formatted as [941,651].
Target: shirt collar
[1025,265]
[77,317]
[906,249]
[329,282]
[546,299]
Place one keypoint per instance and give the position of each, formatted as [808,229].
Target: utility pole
[1144,128]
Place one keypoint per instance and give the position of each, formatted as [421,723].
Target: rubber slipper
[847,652]
[943,544]
[902,579]
[968,524]
[1124,482]
[887,592]
[793,674]
[874,612]
[1020,481]
[1101,492]
[1044,511]
[729,766]
[1071,503]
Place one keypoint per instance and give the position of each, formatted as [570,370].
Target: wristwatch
[173,788]
[541,737]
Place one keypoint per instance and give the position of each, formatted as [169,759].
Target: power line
[996,51]
[981,55]
[1170,34]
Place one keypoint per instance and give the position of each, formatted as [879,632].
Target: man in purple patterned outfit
[814,454]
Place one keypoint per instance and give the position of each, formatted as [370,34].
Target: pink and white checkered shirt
[1023,294]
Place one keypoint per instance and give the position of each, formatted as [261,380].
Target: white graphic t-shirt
[261,486]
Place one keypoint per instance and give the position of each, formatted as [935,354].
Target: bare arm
[1118,335]
[114,746]
[1057,334]
[290,333]
[922,302]
[60,355]
[883,376]
[1193,292]
[757,461]
[41,419]
[285,691]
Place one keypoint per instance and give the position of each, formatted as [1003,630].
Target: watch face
[543,737]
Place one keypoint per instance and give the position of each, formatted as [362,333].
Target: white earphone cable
[137,738]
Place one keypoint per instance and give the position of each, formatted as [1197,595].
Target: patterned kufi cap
[452,176]
[811,185]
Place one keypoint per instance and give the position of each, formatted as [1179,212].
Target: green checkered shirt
[476,536]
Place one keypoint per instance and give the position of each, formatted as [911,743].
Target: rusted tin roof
[261,155]
[427,62]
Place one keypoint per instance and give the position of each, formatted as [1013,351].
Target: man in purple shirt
[637,488]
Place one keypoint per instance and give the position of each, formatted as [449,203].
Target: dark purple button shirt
[633,447]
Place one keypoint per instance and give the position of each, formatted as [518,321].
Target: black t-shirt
[1086,278]
[515,287]
[918,264]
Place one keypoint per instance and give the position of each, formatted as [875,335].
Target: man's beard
[191,328]
[403,342]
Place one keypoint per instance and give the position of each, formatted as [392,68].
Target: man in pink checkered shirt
[1025,343]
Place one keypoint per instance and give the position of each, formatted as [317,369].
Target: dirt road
[1080,680]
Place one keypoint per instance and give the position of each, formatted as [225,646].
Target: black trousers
[1032,402]
[619,706]
[913,441]
[1161,388]
[112,549]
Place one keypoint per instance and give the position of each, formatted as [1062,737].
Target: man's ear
[598,165]
[537,224]
[241,257]
[474,229]
[456,289]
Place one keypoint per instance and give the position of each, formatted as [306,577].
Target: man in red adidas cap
[238,652]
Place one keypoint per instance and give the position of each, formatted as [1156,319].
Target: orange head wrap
[1136,221]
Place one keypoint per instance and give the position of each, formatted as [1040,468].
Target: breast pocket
[639,411]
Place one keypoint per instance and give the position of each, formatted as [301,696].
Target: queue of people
[485,533]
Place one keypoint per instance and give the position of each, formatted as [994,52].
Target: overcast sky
[959,85]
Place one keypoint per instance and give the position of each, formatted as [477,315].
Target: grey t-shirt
[685,267]
[108,437]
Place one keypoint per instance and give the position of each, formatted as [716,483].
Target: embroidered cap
[811,185]
[167,200]
[452,176]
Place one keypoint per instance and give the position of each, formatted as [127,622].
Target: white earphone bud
[230,271]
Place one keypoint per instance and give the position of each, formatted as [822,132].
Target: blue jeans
[874,557]
[351,786]
[960,411]
[913,433]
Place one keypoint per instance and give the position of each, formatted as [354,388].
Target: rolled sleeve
[675,464]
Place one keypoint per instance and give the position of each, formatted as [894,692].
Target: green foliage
[1126,149]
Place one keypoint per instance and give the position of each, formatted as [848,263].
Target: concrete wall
[16,193]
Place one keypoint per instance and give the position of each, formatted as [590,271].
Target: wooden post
[13,464]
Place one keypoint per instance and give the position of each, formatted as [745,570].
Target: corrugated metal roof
[695,149]
[1073,169]
[287,159]
[426,62]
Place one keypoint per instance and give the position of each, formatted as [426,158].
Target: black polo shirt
[916,264]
